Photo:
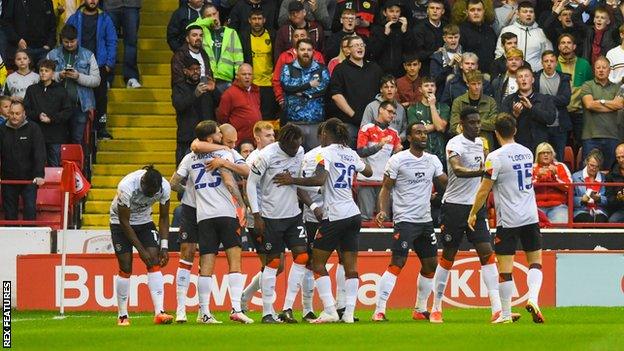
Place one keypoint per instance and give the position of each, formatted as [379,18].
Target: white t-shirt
[512,86]
[511,168]
[462,191]
[199,58]
[411,194]
[310,161]
[129,194]
[341,163]
[212,198]
[616,58]
[276,201]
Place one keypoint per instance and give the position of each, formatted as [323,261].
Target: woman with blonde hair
[551,199]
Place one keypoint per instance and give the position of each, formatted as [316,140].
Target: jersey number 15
[524,173]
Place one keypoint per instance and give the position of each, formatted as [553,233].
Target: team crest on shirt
[117,247]
[268,246]
[267,41]
[404,244]
[366,5]
[448,237]
[183,235]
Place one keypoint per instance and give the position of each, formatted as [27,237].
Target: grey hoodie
[399,123]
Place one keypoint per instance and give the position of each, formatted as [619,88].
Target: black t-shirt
[474,103]
[89,32]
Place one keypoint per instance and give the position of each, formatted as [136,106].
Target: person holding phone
[590,200]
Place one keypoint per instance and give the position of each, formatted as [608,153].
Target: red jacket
[549,196]
[287,57]
[240,108]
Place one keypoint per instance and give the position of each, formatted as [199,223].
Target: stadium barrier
[90,281]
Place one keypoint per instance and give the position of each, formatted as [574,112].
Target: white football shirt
[310,161]
[411,194]
[462,191]
[276,201]
[341,163]
[511,169]
[129,194]
[188,198]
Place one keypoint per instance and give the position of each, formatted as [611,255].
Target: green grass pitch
[578,328]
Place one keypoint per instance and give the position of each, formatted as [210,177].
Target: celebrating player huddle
[280,177]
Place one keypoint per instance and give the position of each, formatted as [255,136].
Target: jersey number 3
[216,176]
[524,173]
[346,175]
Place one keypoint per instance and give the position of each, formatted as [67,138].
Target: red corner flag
[73,181]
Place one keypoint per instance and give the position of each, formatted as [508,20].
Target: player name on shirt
[129,194]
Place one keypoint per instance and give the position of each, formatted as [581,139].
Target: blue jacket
[304,103]
[579,191]
[89,76]
[106,37]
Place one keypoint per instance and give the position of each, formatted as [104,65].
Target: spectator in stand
[552,200]
[447,59]
[557,85]
[354,85]
[344,53]
[287,57]
[125,16]
[590,200]
[601,103]
[96,33]
[332,45]
[176,29]
[365,12]
[31,26]
[22,155]
[257,44]
[486,106]
[5,108]
[316,11]
[240,103]
[603,35]
[297,19]
[427,34]
[390,40]
[532,110]
[581,71]
[387,92]
[408,86]
[477,35]
[433,115]
[506,83]
[48,104]
[239,16]
[616,58]
[193,100]
[505,15]
[18,81]
[222,45]
[456,83]
[459,14]
[560,21]
[615,194]
[531,38]
[499,66]
[376,142]
[192,47]
[304,82]
[246,147]
[78,71]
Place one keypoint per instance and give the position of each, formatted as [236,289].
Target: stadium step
[137,145]
[102,220]
[147,81]
[149,32]
[117,157]
[139,108]
[103,207]
[106,181]
[122,170]
[157,43]
[139,95]
[149,68]
[140,133]
[156,16]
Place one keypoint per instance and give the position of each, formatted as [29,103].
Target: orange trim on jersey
[491,259]
[185,266]
[124,274]
[154,269]
[301,258]
[428,275]
[396,270]
[446,264]
[274,263]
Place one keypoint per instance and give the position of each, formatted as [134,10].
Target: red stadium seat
[73,152]
[53,176]
[568,158]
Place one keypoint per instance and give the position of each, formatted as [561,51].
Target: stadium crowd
[557,66]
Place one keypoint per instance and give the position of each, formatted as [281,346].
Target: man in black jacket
[615,194]
[22,156]
[332,45]
[191,48]
[477,36]
[241,11]
[389,41]
[194,102]
[533,111]
[48,104]
[176,29]
[427,34]
[30,25]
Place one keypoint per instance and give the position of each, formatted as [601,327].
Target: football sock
[236,282]
[384,289]
[534,281]
[268,290]
[122,287]
[307,292]
[253,286]
[340,287]
[295,277]
[490,278]
[323,285]
[156,284]
[183,277]
[440,278]
[506,291]
[351,290]
[204,289]
[425,285]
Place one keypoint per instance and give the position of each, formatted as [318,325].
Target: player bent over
[409,175]
[341,222]
[131,225]
[508,175]
[216,219]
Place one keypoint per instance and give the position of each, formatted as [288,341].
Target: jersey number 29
[202,170]
[346,175]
